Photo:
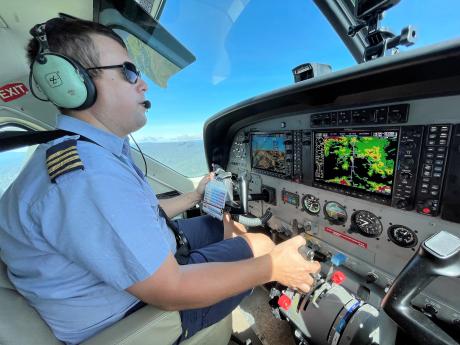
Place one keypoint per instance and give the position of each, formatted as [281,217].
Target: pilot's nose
[142,85]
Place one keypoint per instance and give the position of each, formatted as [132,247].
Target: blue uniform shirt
[73,247]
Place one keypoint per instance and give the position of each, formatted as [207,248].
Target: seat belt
[183,246]
[10,140]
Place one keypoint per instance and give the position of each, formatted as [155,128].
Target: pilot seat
[20,324]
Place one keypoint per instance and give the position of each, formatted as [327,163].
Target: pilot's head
[63,55]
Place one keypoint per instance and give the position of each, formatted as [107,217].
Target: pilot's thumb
[298,241]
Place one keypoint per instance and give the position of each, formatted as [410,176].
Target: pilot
[83,235]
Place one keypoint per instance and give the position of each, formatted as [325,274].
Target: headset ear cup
[64,81]
[90,87]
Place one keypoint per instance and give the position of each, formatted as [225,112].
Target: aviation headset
[64,81]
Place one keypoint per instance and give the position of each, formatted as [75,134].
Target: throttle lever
[309,255]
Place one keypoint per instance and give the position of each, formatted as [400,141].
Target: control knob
[407,163]
[371,277]
[410,145]
[430,310]
[402,203]
[425,207]
[406,176]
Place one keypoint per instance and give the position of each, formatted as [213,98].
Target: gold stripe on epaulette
[61,164]
[60,158]
[58,153]
[77,164]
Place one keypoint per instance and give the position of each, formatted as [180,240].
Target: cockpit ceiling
[19,16]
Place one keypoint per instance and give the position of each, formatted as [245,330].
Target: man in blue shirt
[81,230]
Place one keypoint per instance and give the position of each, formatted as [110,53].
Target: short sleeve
[104,223]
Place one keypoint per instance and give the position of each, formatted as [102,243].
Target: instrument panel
[372,182]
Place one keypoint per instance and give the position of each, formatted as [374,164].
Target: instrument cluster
[369,186]
[362,222]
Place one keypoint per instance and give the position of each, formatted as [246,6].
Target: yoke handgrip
[439,255]
[243,182]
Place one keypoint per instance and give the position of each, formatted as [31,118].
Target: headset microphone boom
[147,104]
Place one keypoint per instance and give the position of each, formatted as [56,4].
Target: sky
[244,48]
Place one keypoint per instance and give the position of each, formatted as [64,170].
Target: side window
[12,161]
[185,157]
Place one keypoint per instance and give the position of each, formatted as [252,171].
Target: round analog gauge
[402,236]
[310,203]
[335,212]
[366,223]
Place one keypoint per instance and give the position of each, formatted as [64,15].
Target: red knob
[338,277]
[284,302]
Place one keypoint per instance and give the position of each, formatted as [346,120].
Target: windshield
[244,48]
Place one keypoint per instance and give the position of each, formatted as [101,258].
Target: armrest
[148,325]
[217,334]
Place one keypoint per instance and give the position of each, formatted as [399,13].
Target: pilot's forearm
[174,287]
[202,285]
[181,203]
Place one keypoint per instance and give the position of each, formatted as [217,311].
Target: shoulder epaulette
[63,158]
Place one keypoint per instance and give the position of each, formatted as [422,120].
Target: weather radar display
[358,159]
[269,152]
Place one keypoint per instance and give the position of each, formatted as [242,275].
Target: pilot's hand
[290,268]
[202,185]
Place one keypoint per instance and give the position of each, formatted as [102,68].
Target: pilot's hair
[71,37]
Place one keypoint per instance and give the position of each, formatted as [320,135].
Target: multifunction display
[362,160]
[268,152]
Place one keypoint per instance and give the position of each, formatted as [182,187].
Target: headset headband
[62,80]
[39,32]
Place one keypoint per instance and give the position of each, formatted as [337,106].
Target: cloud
[162,139]
[179,131]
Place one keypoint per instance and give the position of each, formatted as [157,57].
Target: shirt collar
[110,141]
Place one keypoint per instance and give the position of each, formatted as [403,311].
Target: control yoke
[439,255]
[240,212]
[243,183]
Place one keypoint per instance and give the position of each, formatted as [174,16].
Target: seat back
[19,322]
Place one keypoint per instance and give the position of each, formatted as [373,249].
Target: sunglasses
[130,71]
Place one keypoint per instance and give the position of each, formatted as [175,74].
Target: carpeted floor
[253,319]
